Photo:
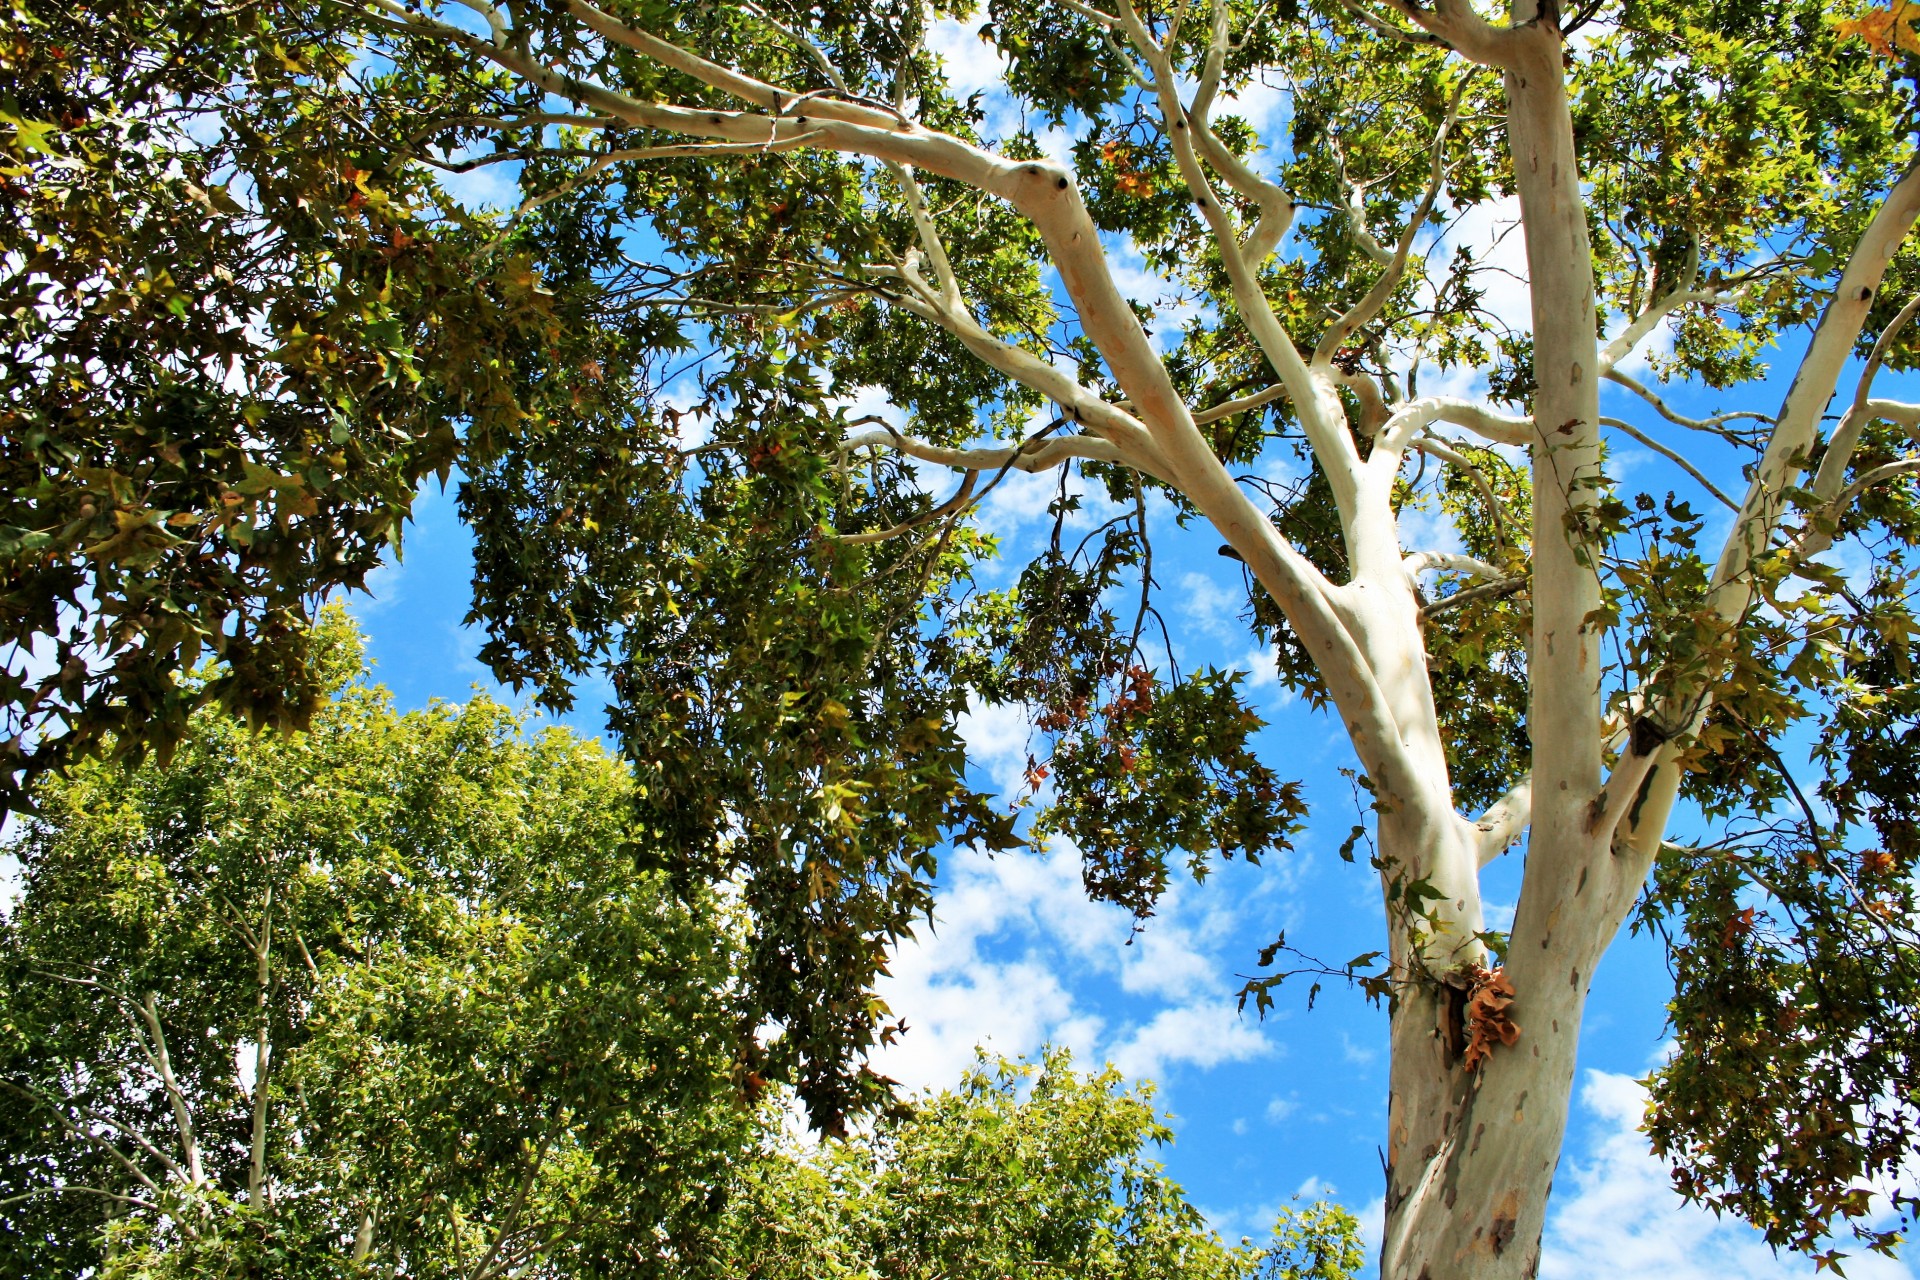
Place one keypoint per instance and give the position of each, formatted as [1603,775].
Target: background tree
[1024,1169]
[783,600]
[385,997]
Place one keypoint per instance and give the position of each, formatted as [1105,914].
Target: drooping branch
[75,1129]
[1716,424]
[1497,590]
[1672,456]
[1817,535]
[1907,415]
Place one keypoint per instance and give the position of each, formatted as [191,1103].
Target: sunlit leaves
[488,1028]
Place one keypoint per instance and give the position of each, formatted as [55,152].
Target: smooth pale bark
[1471,1155]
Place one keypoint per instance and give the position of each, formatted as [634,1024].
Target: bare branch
[1275,205]
[1466,32]
[491,1263]
[1907,415]
[1787,447]
[72,1187]
[1714,424]
[1451,562]
[113,1153]
[1472,595]
[1363,311]
[1437,448]
[1827,353]
[1228,408]
[799,38]
[1671,456]
[1355,207]
[1314,400]
[1382,27]
[1833,466]
[602,162]
[182,1113]
[1035,456]
[930,243]
[1814,538]
[1415,416]
[1505,820]
[1129,437]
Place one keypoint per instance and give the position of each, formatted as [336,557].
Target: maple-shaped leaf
[1885,28]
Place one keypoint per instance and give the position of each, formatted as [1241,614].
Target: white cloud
[1616,1213]
[972,64]
[1358,1054]
[1204,1035]
[1010,927]
[1204,603]
[1425,530]
[1280,1109]
[1018,499]
[997,734]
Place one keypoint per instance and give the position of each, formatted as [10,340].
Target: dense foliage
[1024,1169]
[391,988]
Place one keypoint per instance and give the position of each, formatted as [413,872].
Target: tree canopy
[391,988]
[786,207]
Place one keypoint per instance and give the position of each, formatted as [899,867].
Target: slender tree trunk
[262,954]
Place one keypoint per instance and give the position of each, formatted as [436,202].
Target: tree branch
[1673,457]
[1032,457]
[959,500]
[1449,562]
[1505,821]
[1731,587]
[1437,448]
[1712,424]
[1369,306]
[1228,408]
[1833,466]
[1314,400]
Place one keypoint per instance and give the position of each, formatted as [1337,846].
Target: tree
[786,610]
[1024,1169]
[385,997]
